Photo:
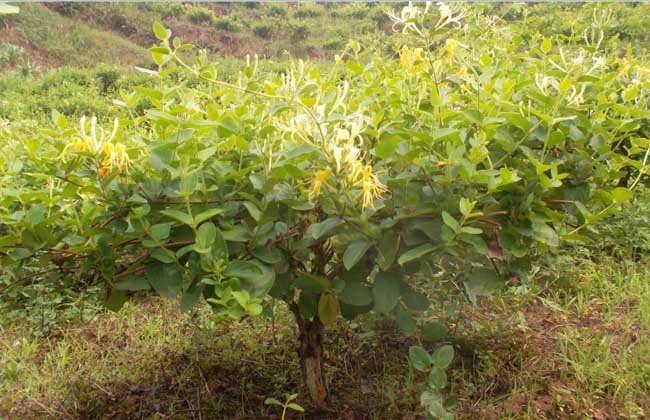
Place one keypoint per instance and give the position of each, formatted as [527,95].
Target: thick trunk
[311,361]
[310,351]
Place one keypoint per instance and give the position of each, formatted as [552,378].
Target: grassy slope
[50,39]
[86,34]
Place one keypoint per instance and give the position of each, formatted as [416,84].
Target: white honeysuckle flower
[542,82]
[577,98]
[450,14]
[341,94]
[342,134]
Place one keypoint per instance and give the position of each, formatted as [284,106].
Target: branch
[68,180]
[31,276]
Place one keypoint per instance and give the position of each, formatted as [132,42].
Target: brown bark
[310,351]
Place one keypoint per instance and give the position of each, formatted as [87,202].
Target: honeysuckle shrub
[434,173]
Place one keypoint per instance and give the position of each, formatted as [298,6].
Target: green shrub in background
[356,11]
[264,29]
[227,24]
[297,29]
[9,54]
[200,15]
[308,10]
[278,10]
[106,78]
[168,10]
[334,44]
[378,15]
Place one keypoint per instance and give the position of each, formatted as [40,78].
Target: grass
[52,40]
[576,351]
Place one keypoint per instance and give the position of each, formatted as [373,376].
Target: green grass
[534,352]
[53,40]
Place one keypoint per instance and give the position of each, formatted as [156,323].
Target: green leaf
[328,308]
[166,279]
[255,212]
[432,403]
[443,356]
[273,401]
[308,305]
[465,206]
[546,45]
[386,291]
[387,248]
[116,300]
[405,322]
[160,31]
[387,146]
[434,331]
[163,255]
[356,294]
[470,230]
[160,51]
[160,232]
[132,283]
[483,282]
[205,237]
[319,230]
[189,184]
[450,221]
[190,297]
[354,252]
[208,214]
[415,253]
[437,378]
[311,283]
[295,407]
[622,195]
[257,277]
[419,358]
[240,233]
[179,216]
[415,300]
[545,234]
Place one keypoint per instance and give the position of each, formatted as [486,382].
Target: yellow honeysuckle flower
[411,60]
[462,73]
[115,157]
[371,187]
[77,144]
[320,178]
[450,48]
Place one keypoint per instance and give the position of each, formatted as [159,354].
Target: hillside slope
[51,40]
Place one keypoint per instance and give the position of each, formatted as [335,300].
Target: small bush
[308,11]
[168,10]
[334,44]
[67,8]
[278,10]
[263,30]
[106,78]
[298,30]
[27,68]
[252,4]
[378,15]
[356,11]
[200,15]
[10,54]
[227,24]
